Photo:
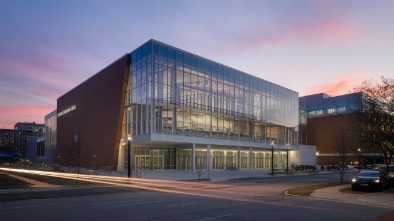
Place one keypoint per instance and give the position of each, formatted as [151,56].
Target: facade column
[239,158]
[174,127]
[152,99]
[194,157]
[209,157]
[251,159]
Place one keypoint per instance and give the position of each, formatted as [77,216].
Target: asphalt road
[141,199]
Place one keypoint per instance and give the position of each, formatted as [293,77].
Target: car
[391,175]
[379,166]
[350,166]
[370,179]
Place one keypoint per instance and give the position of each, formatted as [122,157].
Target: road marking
[23,207]
[185,204]
[215,217]
[289,194]
[124,201]
[136,204]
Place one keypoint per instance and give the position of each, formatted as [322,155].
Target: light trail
[178,187]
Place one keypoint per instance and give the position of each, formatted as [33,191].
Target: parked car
[371,179]
[379,166]
[391,175]
[390,172]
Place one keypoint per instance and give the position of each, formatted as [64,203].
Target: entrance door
[142,162]
[158,162]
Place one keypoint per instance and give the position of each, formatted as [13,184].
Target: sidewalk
[212,175]
[373,198]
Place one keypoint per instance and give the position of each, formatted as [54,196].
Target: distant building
[321,118]
[35,150]
[6,139]
[23,132]
[7,150]
[42,149]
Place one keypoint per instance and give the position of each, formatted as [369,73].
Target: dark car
[370,179]
[391,175]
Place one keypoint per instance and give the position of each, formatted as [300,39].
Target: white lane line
[124,201]
[23,207]
[136,204]
[215,217]
[185,204]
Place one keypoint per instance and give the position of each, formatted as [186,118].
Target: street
[119,198]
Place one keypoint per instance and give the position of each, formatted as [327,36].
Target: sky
[49,47]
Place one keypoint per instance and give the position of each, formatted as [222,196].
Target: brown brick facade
[321,132]
[97,117]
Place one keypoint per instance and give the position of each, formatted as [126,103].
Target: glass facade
[23,132]
[50,128]
[171,91]
[49,154]
[319,105]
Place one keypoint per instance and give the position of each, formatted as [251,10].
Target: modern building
[35,150]
[23,132]
[323,116]
[7,150]
[42,149]
[50,138]
[181,111]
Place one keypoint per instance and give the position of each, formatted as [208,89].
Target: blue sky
[48,47]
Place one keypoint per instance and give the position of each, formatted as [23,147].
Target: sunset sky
[49,47]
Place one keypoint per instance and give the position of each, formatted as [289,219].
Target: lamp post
[359,159]
[272,157]
[129,137]
[287,160]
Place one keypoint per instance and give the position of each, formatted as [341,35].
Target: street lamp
[272,157]
[129,137]
[359,159]
[287,163]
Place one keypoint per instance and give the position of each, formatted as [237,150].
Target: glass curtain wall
[50,129]
[175,92]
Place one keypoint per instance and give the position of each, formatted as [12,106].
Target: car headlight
[354,180]
[376,181]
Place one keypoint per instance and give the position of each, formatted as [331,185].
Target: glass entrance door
[218,160]
[142,162]
[158,162]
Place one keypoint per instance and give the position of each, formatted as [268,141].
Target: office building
[23,132]
[325,115]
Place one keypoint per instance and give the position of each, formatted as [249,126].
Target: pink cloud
[325,31]
[343,85]
[321,22]
[332,30]
[11,114]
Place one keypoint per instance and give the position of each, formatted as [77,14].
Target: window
[312,113]
[341,109]
[331,110]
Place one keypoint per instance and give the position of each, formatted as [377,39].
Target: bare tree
[377,116]
[78,156]
[345,143]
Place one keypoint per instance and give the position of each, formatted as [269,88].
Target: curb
[289,194]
